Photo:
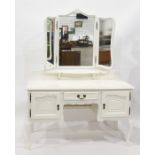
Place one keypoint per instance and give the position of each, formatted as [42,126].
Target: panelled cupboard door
[115,103]
[45,105]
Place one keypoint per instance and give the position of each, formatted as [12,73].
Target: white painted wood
[79,95]
[115,103]
[47,82]
[44,105]
[111,46]
[84,86]
[129,130]
[56,47]
[95,59]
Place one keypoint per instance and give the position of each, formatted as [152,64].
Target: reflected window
[50,39]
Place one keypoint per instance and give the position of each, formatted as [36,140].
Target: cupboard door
[45,105]
[115,103]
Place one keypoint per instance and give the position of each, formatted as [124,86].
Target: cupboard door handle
[58,107]
[103,106]
[129,110]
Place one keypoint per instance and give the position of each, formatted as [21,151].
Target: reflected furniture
[78,72]
[104,57]
[70,58]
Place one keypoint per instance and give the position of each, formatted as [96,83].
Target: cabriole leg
[130,130]
[29,130]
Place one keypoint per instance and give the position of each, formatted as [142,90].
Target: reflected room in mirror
[76,37]
[105,35]
[50,39]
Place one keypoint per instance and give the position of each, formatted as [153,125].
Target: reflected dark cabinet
[105,57]
[70,58]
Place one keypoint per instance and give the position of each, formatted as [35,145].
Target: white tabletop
[47,82]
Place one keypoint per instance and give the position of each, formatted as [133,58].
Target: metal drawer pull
[83,96]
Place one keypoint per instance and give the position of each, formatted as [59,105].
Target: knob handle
[78,96]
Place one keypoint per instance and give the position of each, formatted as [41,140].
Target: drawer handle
[103,106]
[83,96]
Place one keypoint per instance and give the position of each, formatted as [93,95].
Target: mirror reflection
[76,38]
[50,39]
[105,35]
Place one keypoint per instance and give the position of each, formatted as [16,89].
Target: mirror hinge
[96,25]
[130,96]
[30,113]
[56,59]
[30,97]
[95,59]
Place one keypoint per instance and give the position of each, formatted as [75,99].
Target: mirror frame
[111,46]
[96,64]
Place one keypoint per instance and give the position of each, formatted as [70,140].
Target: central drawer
[79,96]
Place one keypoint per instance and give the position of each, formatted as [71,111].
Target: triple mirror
[79,39]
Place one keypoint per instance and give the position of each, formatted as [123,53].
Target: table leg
[129,130]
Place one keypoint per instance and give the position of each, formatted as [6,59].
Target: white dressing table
[93,86]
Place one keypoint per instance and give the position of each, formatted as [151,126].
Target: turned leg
[29,130]
[129,130]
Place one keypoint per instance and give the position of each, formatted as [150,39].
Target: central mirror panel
[76,39]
